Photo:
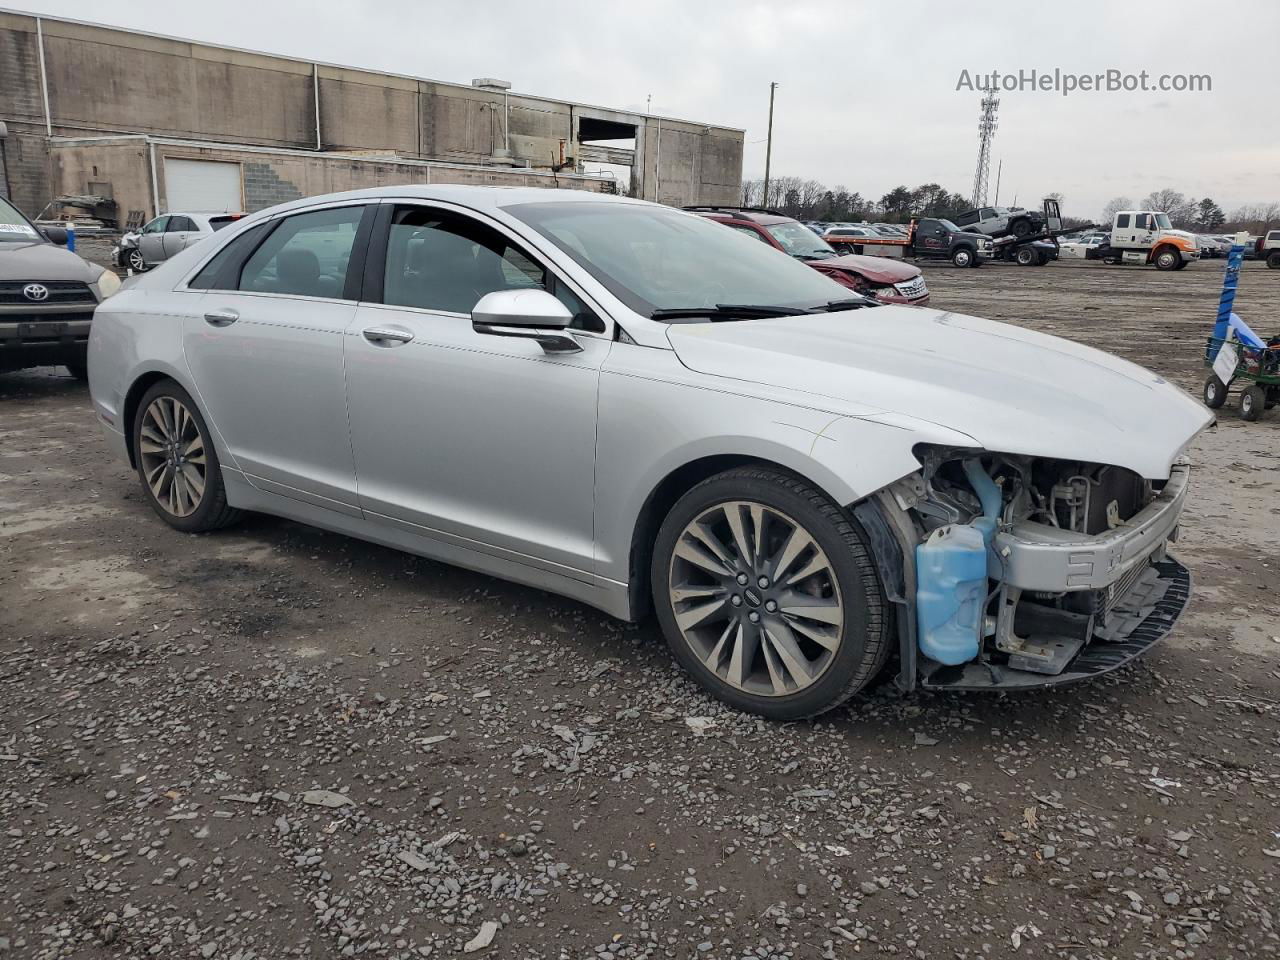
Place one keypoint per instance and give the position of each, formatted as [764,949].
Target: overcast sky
[867,94]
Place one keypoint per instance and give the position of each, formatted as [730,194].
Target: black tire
[1273,259]
[1020,228]
[212,512]
[78,370]
[1215,392]
[963,257]
[866,634]
[1167,258]
[133,260]
[1025,256]
[1253,401]
[1182,264]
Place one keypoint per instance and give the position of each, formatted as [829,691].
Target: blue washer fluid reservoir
[951,592]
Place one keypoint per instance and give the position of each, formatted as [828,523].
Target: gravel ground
[276,742]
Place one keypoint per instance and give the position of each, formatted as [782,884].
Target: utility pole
[768,150]
[999,170]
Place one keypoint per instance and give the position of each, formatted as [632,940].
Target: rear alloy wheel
[1215,392]
[768,595]
[1026,256]
[1273,260]
[176,462]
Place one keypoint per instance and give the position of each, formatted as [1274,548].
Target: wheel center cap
[752,598]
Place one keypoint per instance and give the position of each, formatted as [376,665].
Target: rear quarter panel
[136,333]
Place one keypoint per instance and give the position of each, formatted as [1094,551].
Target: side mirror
[56,235]
[530,314]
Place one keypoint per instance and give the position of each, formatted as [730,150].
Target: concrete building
[156,123]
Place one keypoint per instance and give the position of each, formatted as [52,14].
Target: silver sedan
[634,407]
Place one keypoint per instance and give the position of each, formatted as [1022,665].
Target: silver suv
[1001,221]
[47,296]
[166,235]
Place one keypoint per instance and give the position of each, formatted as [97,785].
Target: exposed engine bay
[1024,562]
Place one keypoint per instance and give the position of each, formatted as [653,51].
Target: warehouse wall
[104,81]
[267,178]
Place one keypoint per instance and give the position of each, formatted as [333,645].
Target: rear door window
[222,272]
[306,255]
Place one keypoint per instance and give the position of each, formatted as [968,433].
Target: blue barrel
[951,593]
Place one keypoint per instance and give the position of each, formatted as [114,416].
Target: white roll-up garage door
[202,186]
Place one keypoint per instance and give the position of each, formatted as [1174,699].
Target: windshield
[799,240]
[655,258]
[1162,221]
[14,226]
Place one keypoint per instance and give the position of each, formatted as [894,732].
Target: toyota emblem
[36,292]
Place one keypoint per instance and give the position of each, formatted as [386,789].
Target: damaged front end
[1020,571]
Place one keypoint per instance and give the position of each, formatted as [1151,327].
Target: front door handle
[221,318]
[387,336]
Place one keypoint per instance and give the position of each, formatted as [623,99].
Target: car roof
[739,213]
[486,198]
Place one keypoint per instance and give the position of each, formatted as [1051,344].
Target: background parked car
[47,296]
[1081,248]
[889,281]
[166,235]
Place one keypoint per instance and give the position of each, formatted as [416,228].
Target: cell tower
[986,133]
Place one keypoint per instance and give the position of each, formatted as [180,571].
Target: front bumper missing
[1172,581]
[1039,557]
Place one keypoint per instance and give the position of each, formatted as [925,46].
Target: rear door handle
[221,318]
[388,336]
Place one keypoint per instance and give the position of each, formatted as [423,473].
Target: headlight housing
[106,285]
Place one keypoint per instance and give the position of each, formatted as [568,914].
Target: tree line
[807,199]
[811,200]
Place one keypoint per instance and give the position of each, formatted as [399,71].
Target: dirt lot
[496,755]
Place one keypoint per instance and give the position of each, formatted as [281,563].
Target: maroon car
[889,281]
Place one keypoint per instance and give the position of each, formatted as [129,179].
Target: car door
[933,237]
[265,350]
[178,235]
[151,240]
[992,220]
[475,440]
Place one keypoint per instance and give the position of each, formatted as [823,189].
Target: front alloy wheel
[135,261]
[768,595]
[755,598]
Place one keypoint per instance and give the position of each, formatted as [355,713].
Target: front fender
[652,426]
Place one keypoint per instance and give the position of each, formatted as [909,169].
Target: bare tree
[1114,206]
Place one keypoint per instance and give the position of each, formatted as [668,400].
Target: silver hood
[1012,390]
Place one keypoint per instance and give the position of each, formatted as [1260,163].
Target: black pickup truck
[928,238]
